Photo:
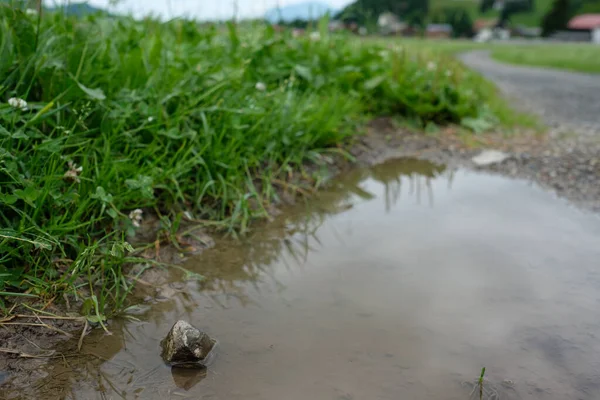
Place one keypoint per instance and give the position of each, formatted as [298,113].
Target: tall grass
[175,117]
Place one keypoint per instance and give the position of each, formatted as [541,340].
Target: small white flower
[18,103]
[260,86]
[296,33]
[136,217]
[315,36]
[448,73]
[431,66]
[63,130]
[31,12]
[73,172]
[150,119]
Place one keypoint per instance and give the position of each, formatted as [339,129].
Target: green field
[574,57]
[106,122]
[579,57]
[532,18]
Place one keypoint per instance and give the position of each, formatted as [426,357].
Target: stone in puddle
[187,347]
[489,157]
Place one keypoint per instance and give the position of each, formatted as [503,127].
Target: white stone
[489,157]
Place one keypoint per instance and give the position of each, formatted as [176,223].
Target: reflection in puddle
[187,378]
[402,281]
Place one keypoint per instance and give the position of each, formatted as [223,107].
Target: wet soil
[400,280]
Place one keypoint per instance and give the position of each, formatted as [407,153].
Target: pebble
[489,157]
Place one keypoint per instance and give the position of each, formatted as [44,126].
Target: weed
[480,383]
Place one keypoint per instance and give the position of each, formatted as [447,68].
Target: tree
[457,17]
[589,7]
[557,18]
[361,11]
[461,22]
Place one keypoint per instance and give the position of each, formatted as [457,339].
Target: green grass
[581,57]
[436,47]
[575,57]
[177,118]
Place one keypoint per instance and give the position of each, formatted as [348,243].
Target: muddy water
[401,282]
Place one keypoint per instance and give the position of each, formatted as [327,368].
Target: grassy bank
[105,121]
[437,47]
[574,57]
[579,57]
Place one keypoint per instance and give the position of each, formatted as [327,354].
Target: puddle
[401,282]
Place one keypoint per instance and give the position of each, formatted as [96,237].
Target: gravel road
[568,102]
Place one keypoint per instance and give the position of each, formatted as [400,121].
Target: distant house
[297,32]
[338,25]
[278,28]
[586,25]
[482,24]
[438,31]
[526,31]
[487,29]
[389,24]
[488,34]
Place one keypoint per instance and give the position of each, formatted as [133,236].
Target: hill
[532,18]
[304,11]
[78,9]
[73,8]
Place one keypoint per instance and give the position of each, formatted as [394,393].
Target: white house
[587,25]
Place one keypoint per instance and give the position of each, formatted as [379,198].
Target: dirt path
[568,102]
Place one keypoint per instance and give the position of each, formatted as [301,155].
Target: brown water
[401,282]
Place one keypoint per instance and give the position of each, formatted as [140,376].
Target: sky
[200,9]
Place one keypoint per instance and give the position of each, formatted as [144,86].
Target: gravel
[572,172]
[568,102]
[568,160]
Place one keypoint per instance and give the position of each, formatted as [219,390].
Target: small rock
[187,347]
[489,157]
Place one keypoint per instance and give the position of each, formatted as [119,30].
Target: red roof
[484,23]
[585,21]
